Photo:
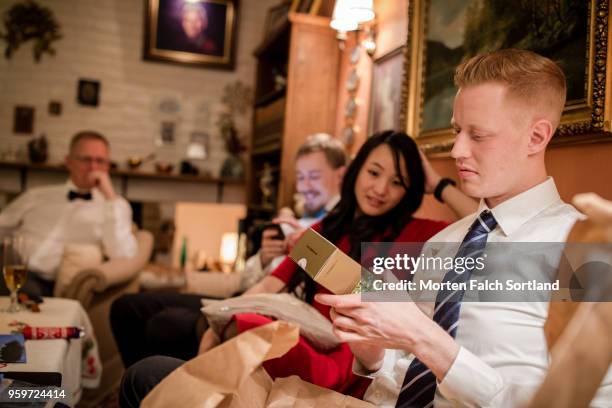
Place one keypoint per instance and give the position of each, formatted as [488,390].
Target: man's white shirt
[503,355]
[48,220]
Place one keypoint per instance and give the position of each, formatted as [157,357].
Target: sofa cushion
[76,257]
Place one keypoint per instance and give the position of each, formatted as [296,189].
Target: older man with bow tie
[84,210]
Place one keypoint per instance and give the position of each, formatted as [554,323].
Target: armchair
[96,288]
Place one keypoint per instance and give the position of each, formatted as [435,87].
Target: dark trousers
[142,377]
[148,324]
[35,286]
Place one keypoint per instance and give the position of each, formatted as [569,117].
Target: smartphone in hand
[280,235]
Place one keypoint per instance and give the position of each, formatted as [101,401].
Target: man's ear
[541,133]
[340,172]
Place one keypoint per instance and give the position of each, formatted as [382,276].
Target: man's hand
[432,178]
[369,327]
[270,247]
[102,181]
[370,356]
[295,225]
[382,324]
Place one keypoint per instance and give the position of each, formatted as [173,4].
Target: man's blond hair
[87,135]
[529,77]
[333,149]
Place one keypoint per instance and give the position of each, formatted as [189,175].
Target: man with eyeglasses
[84,210]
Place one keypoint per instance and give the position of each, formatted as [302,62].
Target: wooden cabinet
[304,55]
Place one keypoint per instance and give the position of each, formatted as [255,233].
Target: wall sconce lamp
[349,15]
[342,20]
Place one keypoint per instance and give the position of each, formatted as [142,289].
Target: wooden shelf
[261,208]
[264,139]
[131,183]
[273,169]
[270,97]
[124,173]
[272,148]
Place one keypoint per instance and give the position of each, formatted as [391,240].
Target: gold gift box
[326,264]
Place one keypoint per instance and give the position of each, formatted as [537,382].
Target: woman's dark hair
[386,227]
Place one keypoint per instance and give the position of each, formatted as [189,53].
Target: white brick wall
[103,41]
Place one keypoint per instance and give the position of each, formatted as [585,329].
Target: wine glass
[14,267]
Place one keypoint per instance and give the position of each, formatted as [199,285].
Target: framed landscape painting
[443,33]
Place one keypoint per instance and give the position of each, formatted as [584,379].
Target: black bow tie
[73,195]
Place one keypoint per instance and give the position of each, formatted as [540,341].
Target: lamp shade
[342,20]
[229,247]
[361,10]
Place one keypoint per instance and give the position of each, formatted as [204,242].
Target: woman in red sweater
[382,188]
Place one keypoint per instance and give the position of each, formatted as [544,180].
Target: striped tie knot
[484,223]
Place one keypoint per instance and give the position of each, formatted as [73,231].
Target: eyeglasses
[100,161]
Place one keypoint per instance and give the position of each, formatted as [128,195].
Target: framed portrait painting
[385,102]
[442,34]
[193,32]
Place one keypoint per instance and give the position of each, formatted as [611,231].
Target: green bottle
[183,258]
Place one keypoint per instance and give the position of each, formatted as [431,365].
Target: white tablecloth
[56,356]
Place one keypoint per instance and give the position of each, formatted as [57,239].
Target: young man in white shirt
[84,210]
[506,111]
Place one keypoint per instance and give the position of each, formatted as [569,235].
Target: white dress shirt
[48,220]
[503,354]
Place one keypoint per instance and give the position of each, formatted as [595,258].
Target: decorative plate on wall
[352,82]
[351,108]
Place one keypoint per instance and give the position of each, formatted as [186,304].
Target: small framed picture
[23,121]
[12,348]
[88,92]
[166,134]
[55,108]
[386,94]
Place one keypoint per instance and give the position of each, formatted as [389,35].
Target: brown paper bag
[292,392]
[252,393]
[214,379]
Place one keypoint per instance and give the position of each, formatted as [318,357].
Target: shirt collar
[513,213]
[70,186]
[306,222]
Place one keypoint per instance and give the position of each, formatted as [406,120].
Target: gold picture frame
[585,119]
[199,33]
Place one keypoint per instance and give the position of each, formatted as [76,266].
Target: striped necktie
[419,387]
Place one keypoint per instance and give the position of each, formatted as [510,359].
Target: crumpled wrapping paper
[231,376]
